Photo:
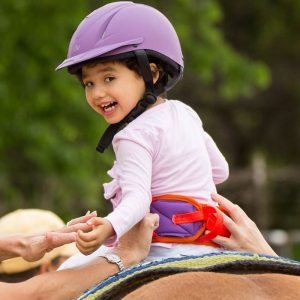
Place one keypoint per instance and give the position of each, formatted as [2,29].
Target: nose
[98,92]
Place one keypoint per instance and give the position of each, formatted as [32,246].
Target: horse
[225,275]
[214,286]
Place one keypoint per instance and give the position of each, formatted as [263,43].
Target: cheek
[88,97]
[140,89]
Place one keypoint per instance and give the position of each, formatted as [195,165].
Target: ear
[155,72]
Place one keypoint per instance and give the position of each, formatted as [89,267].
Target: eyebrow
[101,70]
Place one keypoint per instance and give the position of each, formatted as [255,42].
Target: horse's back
[210,285]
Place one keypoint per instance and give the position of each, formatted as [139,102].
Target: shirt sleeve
[219,165]
[134,160]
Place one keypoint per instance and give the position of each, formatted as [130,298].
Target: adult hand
[245,236]
[34,247]
[134,246]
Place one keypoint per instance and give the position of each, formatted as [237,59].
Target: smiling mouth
[109,106]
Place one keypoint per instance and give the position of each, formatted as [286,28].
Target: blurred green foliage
[47,129]
[207,55]
[231,48]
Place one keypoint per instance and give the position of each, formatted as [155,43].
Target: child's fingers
[86,250]
[85,243]
[96,221]
[87,236]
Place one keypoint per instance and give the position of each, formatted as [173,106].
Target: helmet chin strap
[149,98]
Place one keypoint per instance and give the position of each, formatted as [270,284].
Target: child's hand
[88,242]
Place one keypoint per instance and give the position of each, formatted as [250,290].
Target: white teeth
[106,104]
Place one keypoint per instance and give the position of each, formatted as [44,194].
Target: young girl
[127,56]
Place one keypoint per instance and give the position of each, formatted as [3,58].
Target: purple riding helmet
[121,30]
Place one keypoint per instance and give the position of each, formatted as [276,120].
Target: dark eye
[109,78]
[88,84]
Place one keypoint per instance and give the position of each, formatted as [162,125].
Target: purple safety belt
[166,209]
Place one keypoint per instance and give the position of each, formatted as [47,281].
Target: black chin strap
[148,99]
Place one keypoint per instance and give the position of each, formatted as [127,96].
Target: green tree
[269,122]
[47,130]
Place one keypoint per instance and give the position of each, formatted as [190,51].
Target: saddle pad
[122,283]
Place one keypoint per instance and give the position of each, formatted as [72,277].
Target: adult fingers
[82,219]
[152,220]
[138,239]
[227,243]
[233,210]
[230,225]
[75,228]
[55,239]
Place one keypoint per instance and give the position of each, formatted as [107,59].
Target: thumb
[96,221]
[155,220]
[54,239]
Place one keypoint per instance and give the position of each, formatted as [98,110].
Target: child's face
[112,89]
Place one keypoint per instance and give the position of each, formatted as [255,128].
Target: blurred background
[242,67]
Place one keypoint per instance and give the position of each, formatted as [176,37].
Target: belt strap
[210,217]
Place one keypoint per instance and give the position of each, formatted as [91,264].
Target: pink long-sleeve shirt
[164,151]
